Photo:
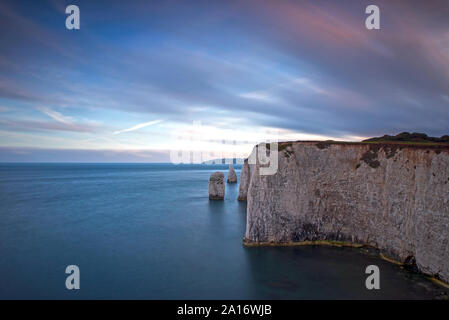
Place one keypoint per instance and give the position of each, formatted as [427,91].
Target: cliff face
[392,197]
[245,175]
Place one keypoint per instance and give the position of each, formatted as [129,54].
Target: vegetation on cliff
[405,137]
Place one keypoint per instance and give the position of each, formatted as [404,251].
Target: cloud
[56,115]
[349,80]
[138,126]
[258,95]
[32,125]
[19,154]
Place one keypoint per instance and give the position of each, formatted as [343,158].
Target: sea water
[149,231]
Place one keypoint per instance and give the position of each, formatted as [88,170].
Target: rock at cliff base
[232,177]
[216,186]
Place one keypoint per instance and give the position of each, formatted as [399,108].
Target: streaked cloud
[56,115]
[309,68]
[138,126]
[33,125]
[27,154]
[258,95]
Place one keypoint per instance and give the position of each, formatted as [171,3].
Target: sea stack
[216,186]
[232,177]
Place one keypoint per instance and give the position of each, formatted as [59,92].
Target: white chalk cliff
[389,196]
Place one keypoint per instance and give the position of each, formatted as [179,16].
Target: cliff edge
[394,197]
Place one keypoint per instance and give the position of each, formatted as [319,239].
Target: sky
[143,79]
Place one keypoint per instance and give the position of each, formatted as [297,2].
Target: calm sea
[149,231]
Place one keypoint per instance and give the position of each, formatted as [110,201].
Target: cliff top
[391,141]
[409,144]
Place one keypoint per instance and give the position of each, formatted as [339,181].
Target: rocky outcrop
[244,181]
[390,196]
[232,177]
[216,186]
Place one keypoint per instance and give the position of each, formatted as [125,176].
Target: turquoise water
[149,231]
